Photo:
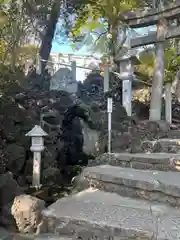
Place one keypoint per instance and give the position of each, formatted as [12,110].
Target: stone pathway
[153,185]
[174,134]
[161,145]
[98,213]
[127,196]
[152,161]
[165,182]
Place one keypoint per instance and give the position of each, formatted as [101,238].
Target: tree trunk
[46,44]
[176,85]
[168,102]
[158,78]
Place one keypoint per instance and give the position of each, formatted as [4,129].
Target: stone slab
[154,161]
[174,134]
[162,145]
[167,183]
[99,214]
[153,158]
[166,141]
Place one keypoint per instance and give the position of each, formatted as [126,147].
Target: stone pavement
[99,213]
[158,158]
[153,161]
[174,134]
[148,184]
[161,145]
[127,196]
[123,196]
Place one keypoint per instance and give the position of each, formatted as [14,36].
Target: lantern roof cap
[37,131]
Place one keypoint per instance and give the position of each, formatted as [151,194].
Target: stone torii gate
[165,30]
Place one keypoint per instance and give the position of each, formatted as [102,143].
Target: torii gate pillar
[158,78]
[126,75]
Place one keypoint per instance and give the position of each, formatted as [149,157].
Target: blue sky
[67,48]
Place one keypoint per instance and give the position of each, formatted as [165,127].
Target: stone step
[161,145]
[94,214]
[174,134]
[152,161]
[146,184]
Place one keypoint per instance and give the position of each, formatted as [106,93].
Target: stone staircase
[151,161]
[125,196]
[172,134]
[161,145]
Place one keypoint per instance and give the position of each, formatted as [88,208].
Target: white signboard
[109,105]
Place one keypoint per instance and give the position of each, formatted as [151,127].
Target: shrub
[10,79]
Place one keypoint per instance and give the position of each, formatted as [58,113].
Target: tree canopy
[144,66]
[101,22]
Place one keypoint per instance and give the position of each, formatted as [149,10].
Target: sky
[67,49]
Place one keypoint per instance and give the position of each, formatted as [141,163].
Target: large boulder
[91,139]
[27,213]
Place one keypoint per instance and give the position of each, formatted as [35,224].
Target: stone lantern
[37,135]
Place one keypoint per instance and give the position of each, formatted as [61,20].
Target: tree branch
[100,35]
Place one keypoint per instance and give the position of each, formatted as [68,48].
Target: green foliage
[27,53]
[10,79]
[144,67]
[111,11]
[145,64]
[3,1]
[72,171]
[3,13]
[172,61]
[13,31]
[18,20]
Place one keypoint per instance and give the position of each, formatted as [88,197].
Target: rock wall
[18,114]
